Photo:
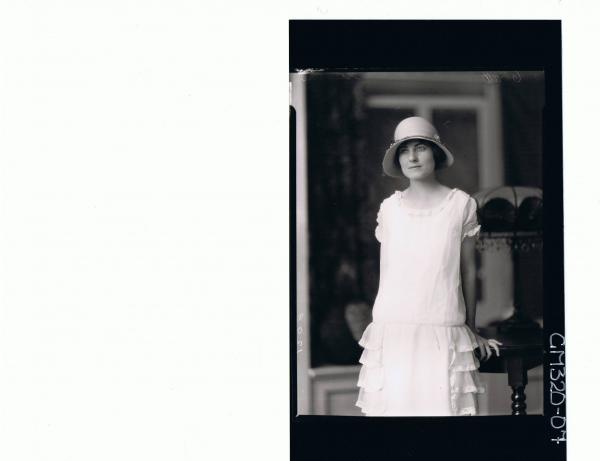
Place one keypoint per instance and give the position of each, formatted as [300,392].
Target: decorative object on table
[512,216]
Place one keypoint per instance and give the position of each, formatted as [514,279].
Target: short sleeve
[379,228]
[471,226]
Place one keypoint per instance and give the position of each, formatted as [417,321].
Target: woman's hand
[486,346]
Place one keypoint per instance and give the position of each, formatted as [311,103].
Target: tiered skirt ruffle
[371,379]
[463,377]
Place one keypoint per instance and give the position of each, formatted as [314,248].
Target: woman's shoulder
[461,195]
[389,199]
[465,205]
[384,206]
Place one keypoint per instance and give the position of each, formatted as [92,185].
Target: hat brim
[391,167]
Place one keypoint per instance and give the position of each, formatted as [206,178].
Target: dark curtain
[334,190]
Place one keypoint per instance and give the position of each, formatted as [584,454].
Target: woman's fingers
[493,344]
[481,344]
[486,346]
[488,351]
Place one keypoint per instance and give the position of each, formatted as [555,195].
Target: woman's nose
[412,155]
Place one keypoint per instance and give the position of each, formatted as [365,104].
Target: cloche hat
[412,128]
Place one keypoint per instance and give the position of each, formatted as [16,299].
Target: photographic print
[403,171]
[419,242]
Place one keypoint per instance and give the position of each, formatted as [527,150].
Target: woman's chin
[418,174]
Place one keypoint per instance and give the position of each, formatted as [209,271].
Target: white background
[144,223]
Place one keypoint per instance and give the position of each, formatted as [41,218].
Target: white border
[144,224]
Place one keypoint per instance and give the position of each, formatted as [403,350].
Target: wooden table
[520,352]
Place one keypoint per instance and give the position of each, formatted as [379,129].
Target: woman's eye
[420,147]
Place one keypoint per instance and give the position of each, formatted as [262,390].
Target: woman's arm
[468,274]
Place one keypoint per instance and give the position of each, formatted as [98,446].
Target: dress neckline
[424,211]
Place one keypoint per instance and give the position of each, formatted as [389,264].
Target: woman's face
[416,159]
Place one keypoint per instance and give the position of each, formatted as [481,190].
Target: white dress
[418,357]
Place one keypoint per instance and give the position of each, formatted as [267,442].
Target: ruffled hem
[370,402]
[468,411]
[371,377]
[462,369]
[472,233]
[464,383]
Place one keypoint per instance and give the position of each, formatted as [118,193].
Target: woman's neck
[425,192]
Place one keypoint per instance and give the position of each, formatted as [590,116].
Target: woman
[418,357]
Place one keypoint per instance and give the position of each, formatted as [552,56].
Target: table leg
[519,407]
[517,380]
